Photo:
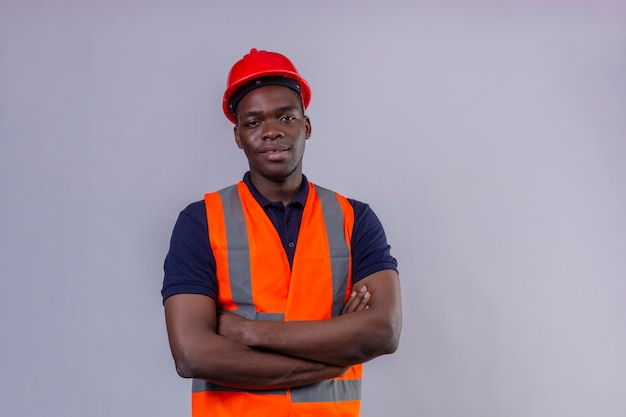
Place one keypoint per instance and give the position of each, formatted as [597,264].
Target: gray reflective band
[238,252]
[328,391]
[339,252]
[269,316]
[250,313]
[325,391]
[200,385]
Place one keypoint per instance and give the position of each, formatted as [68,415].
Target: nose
[272,130]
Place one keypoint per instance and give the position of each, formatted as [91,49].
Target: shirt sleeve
[189,265]
[370,250]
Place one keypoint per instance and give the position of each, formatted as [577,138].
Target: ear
[307,124]
[237,138]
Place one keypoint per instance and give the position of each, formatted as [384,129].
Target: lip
[276,153]
[275,149]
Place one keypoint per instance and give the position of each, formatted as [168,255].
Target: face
[272,129]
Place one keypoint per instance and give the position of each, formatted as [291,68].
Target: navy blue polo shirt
[190,265]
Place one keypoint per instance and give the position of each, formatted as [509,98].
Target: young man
[276,290]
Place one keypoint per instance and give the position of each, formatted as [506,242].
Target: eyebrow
[286,108]
[282,109]
[251,113]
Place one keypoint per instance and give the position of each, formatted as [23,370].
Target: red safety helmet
[258,64]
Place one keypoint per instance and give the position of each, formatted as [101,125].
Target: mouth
[274,150]
[275,154]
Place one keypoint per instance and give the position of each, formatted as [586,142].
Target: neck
[277,190]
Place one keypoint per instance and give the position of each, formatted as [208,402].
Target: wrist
[247,334]
[258,333]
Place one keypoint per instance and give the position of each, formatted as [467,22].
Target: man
[275,289]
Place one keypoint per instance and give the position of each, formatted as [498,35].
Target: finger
[346,306]
[357,301]
[364,301]
[361,301]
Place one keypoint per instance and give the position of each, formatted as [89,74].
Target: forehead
[267,97]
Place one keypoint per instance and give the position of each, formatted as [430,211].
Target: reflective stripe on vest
[243,240]
[325,391]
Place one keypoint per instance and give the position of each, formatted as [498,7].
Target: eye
[287,118]
[251,123]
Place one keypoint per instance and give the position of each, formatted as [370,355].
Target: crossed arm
[230,350]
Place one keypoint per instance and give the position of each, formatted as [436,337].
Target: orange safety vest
[255,281]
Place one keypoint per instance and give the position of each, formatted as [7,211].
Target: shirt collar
[299,198]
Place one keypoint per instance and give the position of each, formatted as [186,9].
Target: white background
[489,137]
